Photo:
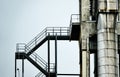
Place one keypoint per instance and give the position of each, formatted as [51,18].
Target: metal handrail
[75,18]
[39,61]
[52,31]
[42,62]
[20,47]
[40,74]
[61,31]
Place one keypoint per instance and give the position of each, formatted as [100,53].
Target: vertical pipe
[56,55]
[119,65]
[22,67]
[15,65]
[107,59]
[48,55]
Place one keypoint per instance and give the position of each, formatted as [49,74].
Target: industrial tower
[96,28]
[98,34]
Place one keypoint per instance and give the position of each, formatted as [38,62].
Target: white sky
[21,20]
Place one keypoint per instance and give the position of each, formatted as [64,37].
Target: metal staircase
[61,32]
[26,51]
[40,74]
[38,63]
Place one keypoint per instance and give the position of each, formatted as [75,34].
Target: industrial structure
[96,28]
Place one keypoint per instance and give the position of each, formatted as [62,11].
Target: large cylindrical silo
[107,66]
[106,34]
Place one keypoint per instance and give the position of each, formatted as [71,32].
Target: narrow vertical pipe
[15,65]
[119,64]
[56,55]
[22,67]
[48,55]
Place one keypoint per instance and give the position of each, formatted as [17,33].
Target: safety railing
[20,47]
[42,62]
[39,60]
[39,74]
[75,19]
[51,31]
[52,67]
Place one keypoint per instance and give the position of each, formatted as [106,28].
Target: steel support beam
[56,55]
[95,65]
[48,56]
[15,65]
[119,64]
[69,75]
[22,67]
[80,62]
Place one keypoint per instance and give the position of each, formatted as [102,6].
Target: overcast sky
[22,20]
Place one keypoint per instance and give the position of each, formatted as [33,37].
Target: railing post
[60,31]
[53,31]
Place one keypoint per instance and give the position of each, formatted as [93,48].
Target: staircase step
[36,65]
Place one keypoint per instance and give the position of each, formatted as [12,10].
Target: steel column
[15,65]
[56,55]
[95,65]
[119,64]
[80,58]
[48,55]
[22,67]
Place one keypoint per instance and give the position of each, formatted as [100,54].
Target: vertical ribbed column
[107,59]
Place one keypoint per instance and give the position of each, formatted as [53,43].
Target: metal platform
[74,27]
